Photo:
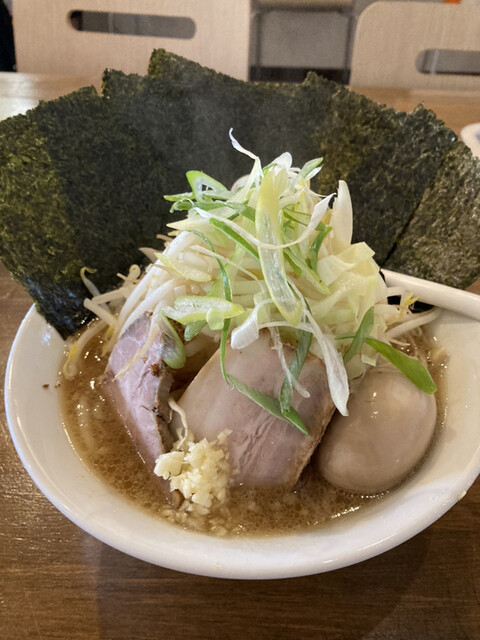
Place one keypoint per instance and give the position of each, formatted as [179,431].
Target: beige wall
[308,39]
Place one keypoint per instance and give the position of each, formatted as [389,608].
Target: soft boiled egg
[386,434]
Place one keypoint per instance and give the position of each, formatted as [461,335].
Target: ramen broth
[100,439]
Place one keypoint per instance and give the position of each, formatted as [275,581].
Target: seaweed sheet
[188,123]
[77,190]
[83,177]
[442,242]
[387,157]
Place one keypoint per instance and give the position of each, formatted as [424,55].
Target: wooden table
[58,582]
[456,110]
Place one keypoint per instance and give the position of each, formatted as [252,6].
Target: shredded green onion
[299,357]
[411,367]
[188,309]
[362,333]
[269,403]
[268,254]
[268,227]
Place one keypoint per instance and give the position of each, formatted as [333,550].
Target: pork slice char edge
[263,450]
[140,394]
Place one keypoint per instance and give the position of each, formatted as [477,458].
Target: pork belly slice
[263,450]
[140,394]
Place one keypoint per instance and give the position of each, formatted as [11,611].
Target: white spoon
[438,295]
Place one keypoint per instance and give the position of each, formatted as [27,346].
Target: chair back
[391,38]
[47,42]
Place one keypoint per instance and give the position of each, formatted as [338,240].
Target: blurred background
[288,38]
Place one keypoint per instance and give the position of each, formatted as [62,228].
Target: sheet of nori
[317,118]
[388,184]
[83,177]
[387,157]
[442,242]
[189,122]
[76,190]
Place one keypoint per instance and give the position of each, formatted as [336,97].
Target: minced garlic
[199,470]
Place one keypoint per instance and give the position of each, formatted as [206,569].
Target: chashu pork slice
[140,394]
[263,450]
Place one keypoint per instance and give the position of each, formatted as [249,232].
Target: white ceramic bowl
[42,443]
[471,137]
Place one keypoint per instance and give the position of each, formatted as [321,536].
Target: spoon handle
[436,294]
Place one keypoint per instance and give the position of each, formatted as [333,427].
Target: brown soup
[100,439]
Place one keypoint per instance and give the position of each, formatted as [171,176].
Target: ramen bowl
[38,431]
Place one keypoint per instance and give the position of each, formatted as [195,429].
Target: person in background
[7,50]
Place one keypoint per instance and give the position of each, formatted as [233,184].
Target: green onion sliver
[360,336]
[188,309]
[236,237]
[411,367]
[270,404]
[323,232]
[296,365]
[173,352]
[272,260]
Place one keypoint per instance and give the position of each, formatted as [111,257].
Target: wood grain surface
[57,582]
